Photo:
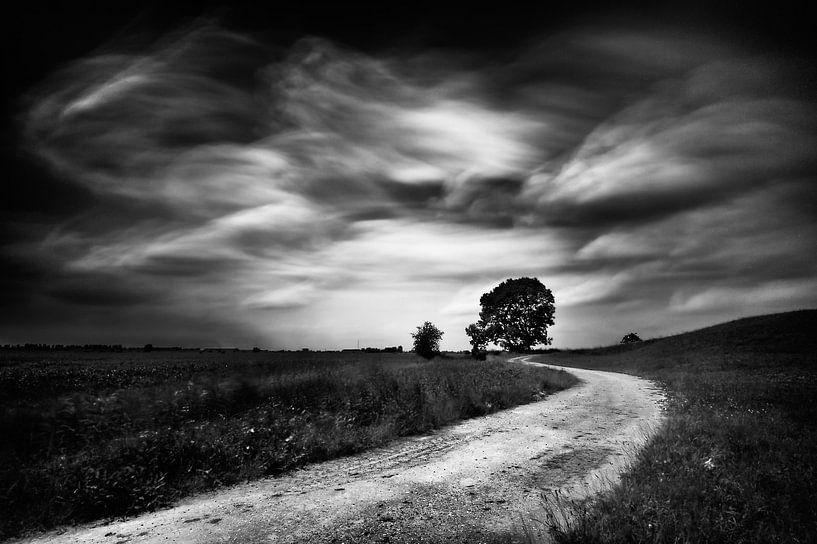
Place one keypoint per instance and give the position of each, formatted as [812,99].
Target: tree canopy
[630,338]
[427,340]
[515,314]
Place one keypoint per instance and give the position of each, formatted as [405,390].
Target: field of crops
[90,435]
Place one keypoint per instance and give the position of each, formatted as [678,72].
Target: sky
[322,176]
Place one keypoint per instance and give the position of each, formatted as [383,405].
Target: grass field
[737,460]
[92,435]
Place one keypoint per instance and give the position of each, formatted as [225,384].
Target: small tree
[427,340]
[478,339]
[630,338]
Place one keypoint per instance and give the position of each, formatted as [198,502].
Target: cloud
[100,289]
[651,159]
[627,168]
[762,297]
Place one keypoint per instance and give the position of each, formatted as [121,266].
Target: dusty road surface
[473,482]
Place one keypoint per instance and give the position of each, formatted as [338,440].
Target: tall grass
[88,436]
[737,460]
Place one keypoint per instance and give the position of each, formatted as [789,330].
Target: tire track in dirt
[476,481]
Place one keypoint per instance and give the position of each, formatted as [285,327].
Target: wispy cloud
[276,192]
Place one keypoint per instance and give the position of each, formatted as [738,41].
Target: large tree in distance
[516,315]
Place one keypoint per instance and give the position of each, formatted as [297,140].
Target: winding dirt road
[477,481]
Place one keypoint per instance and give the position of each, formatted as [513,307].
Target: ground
[477,481]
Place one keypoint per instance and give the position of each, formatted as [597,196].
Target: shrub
[427,340]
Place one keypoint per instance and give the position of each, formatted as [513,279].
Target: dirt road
[473,482]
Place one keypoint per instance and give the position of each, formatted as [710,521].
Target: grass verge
[89,436]
[737,459]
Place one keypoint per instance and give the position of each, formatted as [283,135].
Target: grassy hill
[737,459]
[790,332]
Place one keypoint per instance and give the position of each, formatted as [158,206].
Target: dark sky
[311,174]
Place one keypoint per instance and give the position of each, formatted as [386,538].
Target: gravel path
[478,481]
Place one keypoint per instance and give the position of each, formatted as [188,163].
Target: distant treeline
[150,347]
[390,349]
[74,347]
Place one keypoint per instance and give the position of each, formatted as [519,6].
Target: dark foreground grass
[88,436]
[737,460]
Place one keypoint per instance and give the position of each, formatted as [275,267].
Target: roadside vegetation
[94,435]
[737,460]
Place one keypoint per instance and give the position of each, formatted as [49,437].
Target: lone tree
[516,315]
[427,340]
[630,338]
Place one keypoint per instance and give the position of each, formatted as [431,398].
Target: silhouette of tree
[515,314]
[630,338]
[478,339]
[427,340]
